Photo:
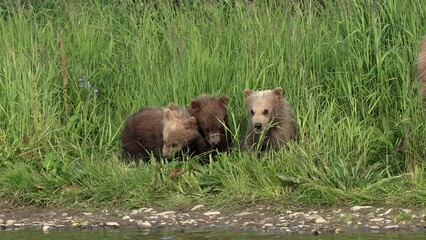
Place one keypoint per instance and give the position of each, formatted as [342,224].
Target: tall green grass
[348,70]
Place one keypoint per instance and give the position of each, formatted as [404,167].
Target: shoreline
[259,218]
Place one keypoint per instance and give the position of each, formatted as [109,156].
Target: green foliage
[348,70]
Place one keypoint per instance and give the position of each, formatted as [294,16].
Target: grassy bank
[70,73]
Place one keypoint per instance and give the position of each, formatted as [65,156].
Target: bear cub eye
[265,112]
[252,112]
[173,145]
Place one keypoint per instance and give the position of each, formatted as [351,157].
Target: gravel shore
[257,218]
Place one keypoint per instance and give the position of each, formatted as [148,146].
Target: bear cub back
[271,123]
[162,132]
[212,121]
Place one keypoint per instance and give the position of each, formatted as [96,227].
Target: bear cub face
[211,114]
[261,107]
[179,131]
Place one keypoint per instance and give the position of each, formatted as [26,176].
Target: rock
[337,211]
[251,223]
[376,219]
[10,222]
[395,227]
[87,214]
[212,213]
[295,214]
[357,208]
[148,210]
[315,232]
[406,210]
[112,224]
[189,222]
[134,212]
[75,224]
[46,228]
[197,207]
[126,218]
[267,225]
[388,211]
[143,224]
[241,214]
[320,220]
[162,214]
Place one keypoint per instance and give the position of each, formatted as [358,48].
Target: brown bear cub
[422,71]
[162,132]
[211,114]
[271,122]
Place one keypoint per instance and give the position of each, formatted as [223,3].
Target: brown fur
[180,132]
[271,122]
[211,114]
[422,71]
[164,132]
[143,134]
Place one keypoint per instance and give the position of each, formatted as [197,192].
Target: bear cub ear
[224,100]
[247,92]
[167,114]
[278,91]
[196,105]
[190,123]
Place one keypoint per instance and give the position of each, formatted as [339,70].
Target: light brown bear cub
[422,71]
[161,131]
[211,114]
[271,122]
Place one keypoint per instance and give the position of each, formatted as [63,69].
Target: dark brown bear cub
[211,114]
[162,132]
[143,134]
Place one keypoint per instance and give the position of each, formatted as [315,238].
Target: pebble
[357,208]
[112,224]
[377,220]
[391,227]
[197,207]
[148,210]
[388,211]
[10,222]
[143,224]
[213,213]
[320,220]
[241,214]
[162,214]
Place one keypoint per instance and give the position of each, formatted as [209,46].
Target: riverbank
[261,217]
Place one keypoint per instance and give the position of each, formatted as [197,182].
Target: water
[191,235]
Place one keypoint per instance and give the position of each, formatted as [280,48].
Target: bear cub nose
[258,126]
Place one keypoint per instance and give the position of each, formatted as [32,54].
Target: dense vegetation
[71,71]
